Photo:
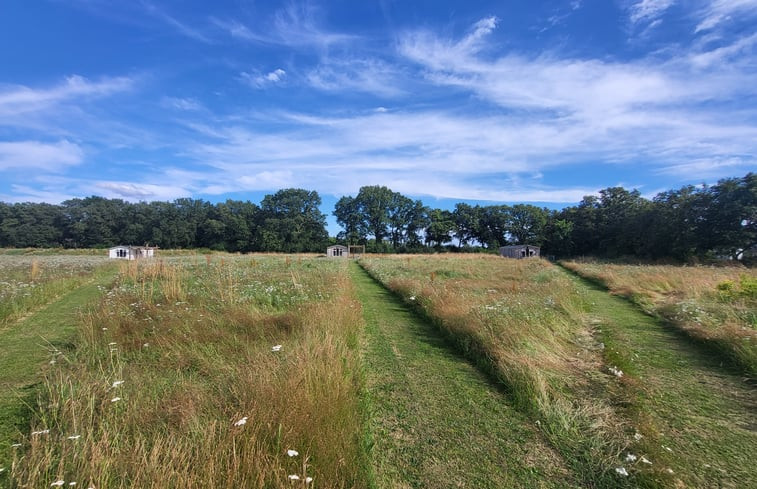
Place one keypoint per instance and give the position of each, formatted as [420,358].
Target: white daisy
[241,421]
[276,348]
[292,453]
[621,471]
[294,477]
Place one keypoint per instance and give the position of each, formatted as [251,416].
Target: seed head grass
[210,325]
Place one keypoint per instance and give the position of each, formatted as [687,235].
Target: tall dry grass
[194,347]
[523,321]
[714,305]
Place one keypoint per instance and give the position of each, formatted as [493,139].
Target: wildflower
[115,399]
[621,471]
[105,329]
[294,477]
[669,470]
[616,371]
[308,480]
[667,448]
[72,484]
[116,383]
[15,445]
[631,457]
[292,453]
[645,460]
[276,348]
[43,432]
[74,437]
[638,436]
[241,421]
[112,343]
[57,483]
[2,469]
[411,298]
[52,362]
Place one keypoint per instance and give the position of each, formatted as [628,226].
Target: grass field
[178,379]
[716,305]
[602,379]
[218,370]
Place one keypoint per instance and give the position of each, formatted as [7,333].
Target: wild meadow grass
[715,305]
[523,321]
[208,371]
[30,281]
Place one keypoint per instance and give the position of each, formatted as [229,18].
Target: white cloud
[717,12]
[187,104]
[19,99]
[52,157]
[263,80]
[136,191]
[649,10]
[359,75]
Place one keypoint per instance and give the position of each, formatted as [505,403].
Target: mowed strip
[435,420]
[27,345]
[698,420]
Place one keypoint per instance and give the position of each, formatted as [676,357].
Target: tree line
[691,222]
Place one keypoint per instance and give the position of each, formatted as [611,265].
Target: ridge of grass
[524,323]
[226,363]
[714,306]
[696,417]
[435,420]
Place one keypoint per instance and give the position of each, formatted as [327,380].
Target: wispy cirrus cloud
[716,12]
[296,25]
[19,99]
[367,75]
[648,10]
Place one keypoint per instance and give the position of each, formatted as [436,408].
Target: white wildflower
[638,436]
[43,432]
[57,483]
[74,437]
[112,343]
[631,457]
[105,329]
[669,470]
[645,460]
[616,371]
[115,399]
[72,484]
[15,445]
[667,448]
[411,298]
[621,471]
[308,480]
[276,348]
[2,469]
[241,421]
[294,477]
[292,453]
[52,362]
[116,383]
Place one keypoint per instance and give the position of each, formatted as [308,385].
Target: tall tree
[293,222]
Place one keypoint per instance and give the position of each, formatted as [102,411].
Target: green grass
[435,420]
[716,306]
[192,340]
[28,346]
[680,397]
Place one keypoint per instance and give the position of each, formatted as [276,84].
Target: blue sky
[446,101]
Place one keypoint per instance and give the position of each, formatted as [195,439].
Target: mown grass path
[435,420]
[27,345]
[700,418]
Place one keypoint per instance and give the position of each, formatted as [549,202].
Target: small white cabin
[519,251]
[337,251]
[131,252]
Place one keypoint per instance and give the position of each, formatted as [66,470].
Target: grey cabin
[519,251]
[337,251]
[131,252]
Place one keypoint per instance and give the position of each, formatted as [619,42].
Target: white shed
[337,251]
[131,252]
[519,251]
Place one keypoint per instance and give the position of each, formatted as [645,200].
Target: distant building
[337,251]
[131,252]
[519,251]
